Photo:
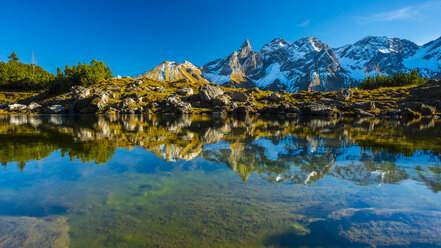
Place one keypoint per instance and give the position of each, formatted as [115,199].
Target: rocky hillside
[170,71]
[311,64]
[146,96]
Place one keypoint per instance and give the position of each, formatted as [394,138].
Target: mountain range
[308,64]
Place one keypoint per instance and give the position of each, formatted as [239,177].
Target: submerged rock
[34,232]
[388,227]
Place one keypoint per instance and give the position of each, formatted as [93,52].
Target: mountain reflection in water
[303,151]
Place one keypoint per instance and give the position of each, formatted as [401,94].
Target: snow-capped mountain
[311,64]
[308,63]
[170,71]
[374,55]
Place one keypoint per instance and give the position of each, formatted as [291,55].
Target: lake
[202,181]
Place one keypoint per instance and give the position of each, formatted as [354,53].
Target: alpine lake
[205,181]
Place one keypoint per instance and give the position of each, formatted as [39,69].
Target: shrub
[21,76]
[398,79]
[82,74]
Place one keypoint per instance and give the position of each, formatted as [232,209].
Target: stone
[159,89]
[409,113]
[33,106]
[368,106]
[221,100]
[242,110]
[319,109]
[208,92]
[138,82]
[17,107]
[237,96]
[344,95]
[79,92]
[126,102]
[362,113]
[419,107]
[182,108]
[185,91]
[56,109]
[275,97]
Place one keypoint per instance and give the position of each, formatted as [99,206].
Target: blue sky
[133,36]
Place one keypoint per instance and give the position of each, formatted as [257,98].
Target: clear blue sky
[134,36]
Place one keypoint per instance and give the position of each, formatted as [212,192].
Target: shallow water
[162,181]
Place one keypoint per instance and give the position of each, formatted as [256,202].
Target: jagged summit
[309,63]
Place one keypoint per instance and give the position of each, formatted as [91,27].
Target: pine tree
[13,57]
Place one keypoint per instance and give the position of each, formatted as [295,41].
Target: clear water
[163,181]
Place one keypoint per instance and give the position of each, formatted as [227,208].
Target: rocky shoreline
[128,96]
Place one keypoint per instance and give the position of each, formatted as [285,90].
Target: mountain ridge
[311,64]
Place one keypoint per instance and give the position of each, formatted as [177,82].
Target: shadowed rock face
[309,63]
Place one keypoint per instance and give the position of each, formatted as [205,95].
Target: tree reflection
[363,151]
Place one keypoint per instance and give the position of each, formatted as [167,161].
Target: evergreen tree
[13,57]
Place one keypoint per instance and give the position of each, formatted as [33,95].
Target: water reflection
[302,151]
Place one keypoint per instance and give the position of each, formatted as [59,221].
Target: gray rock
[159,89]
[242,110]
[221,100]
[17,107]
[33,106]
[56,109]
[79,92]
[344,95]
[275,97]
[368,106]
[185,91]
[209,92]
[182,108]
[318,109]
[237,96]
[126,102]
[138,82]
[362,113]
[419,107]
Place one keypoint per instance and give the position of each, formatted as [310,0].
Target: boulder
[242,110]
[275,97]
[185,91]
[56,109]
[159,89]
[319,109]
[208,92]
[333,103]
[17,107]
[362,113]
[368,106]
[237,96]
[126,102]
[79,92]
[33,106]
[344,95]
[419,107]
[221,100]
[409,113]
[138,82]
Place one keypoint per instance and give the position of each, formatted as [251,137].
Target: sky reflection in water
[137,181]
